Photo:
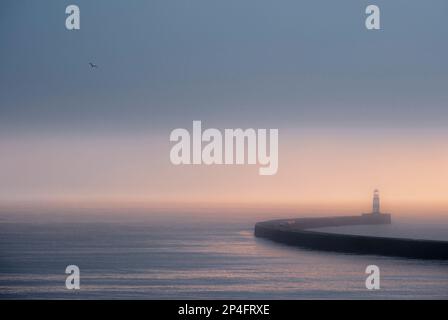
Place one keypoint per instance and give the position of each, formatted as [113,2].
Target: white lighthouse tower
[376,202]
[376,216]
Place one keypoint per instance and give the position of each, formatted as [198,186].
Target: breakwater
[296,232]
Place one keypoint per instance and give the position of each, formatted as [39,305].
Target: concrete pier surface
[296,232]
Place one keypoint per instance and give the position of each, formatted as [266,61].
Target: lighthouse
[376,216]
[376,202]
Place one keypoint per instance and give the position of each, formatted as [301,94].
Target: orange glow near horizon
[331,172]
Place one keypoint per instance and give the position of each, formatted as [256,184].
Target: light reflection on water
[143,261]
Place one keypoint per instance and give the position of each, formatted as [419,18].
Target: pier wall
[295,232]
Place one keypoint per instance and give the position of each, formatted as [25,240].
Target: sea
[195,258]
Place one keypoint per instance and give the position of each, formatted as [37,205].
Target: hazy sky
[356,109]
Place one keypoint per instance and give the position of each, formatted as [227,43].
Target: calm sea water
[191,260]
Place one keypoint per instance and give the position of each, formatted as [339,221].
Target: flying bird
[92,65]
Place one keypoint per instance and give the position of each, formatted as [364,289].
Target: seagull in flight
[92,65]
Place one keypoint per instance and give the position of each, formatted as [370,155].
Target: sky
[356,109]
